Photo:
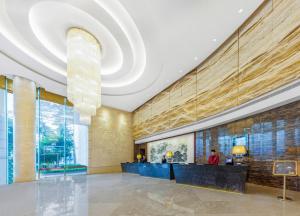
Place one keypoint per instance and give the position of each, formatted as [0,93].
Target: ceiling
[147,45]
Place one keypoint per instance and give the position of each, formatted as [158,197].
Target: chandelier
[83,73]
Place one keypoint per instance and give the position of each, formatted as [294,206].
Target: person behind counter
[213,158]
[164,160]
[144,159]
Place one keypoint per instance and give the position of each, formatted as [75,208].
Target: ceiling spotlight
[196,58]
[240,10]
[214,40]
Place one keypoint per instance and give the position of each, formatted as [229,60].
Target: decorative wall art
[182,148]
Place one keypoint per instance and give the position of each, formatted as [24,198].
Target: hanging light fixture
[83,73]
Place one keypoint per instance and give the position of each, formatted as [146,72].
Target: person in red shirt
[213,158]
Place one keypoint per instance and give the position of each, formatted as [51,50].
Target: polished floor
[126,194]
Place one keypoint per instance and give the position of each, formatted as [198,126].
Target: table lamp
[139,157]
[169,156]
[239,150]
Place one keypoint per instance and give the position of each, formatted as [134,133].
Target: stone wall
[261,56]
[110,140]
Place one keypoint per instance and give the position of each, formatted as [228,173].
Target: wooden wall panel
[261,56]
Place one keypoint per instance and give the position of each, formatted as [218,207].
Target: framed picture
[285,168]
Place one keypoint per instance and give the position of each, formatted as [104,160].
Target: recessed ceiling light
[240,10]
[214,40]
[196,58]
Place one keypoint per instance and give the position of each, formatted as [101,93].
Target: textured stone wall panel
[261,56]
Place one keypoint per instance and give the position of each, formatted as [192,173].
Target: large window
[10,138]
[62,144]
[3,138]
[6,134]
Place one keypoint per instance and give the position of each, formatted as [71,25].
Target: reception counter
[231,178]
[130,168]
[155,170]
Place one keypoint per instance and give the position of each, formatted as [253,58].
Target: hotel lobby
[138,107]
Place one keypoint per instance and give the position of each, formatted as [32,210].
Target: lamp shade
[139,156]
[169,154]
[239,150]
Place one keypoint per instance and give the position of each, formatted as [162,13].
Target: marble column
[24,134]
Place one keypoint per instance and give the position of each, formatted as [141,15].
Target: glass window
[297,131]
[280,138]
[76,143]
[62,143]
[208,143]
[267,144]
[224,141]
[6,137]
[255,141]
[3,138]
[51,138]
[199,147]
[10,138]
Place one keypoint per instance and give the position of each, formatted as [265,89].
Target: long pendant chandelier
[83,73]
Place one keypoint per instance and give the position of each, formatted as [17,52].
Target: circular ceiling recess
[53,37]
[39,30]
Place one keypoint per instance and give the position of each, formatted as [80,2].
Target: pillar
[24,134]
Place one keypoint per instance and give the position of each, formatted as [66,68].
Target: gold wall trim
[3,80]
[49,96]
[44,95]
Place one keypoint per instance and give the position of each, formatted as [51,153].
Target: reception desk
[130,168]
[224,177]
[155,170]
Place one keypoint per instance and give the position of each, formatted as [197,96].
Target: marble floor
[126,194]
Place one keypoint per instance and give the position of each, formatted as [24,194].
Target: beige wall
[261,56]
[110,140]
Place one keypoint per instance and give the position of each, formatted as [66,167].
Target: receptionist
[213,158]
[164,160]
[144,159]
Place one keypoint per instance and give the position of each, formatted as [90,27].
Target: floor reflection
[62,196]
[125,194]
